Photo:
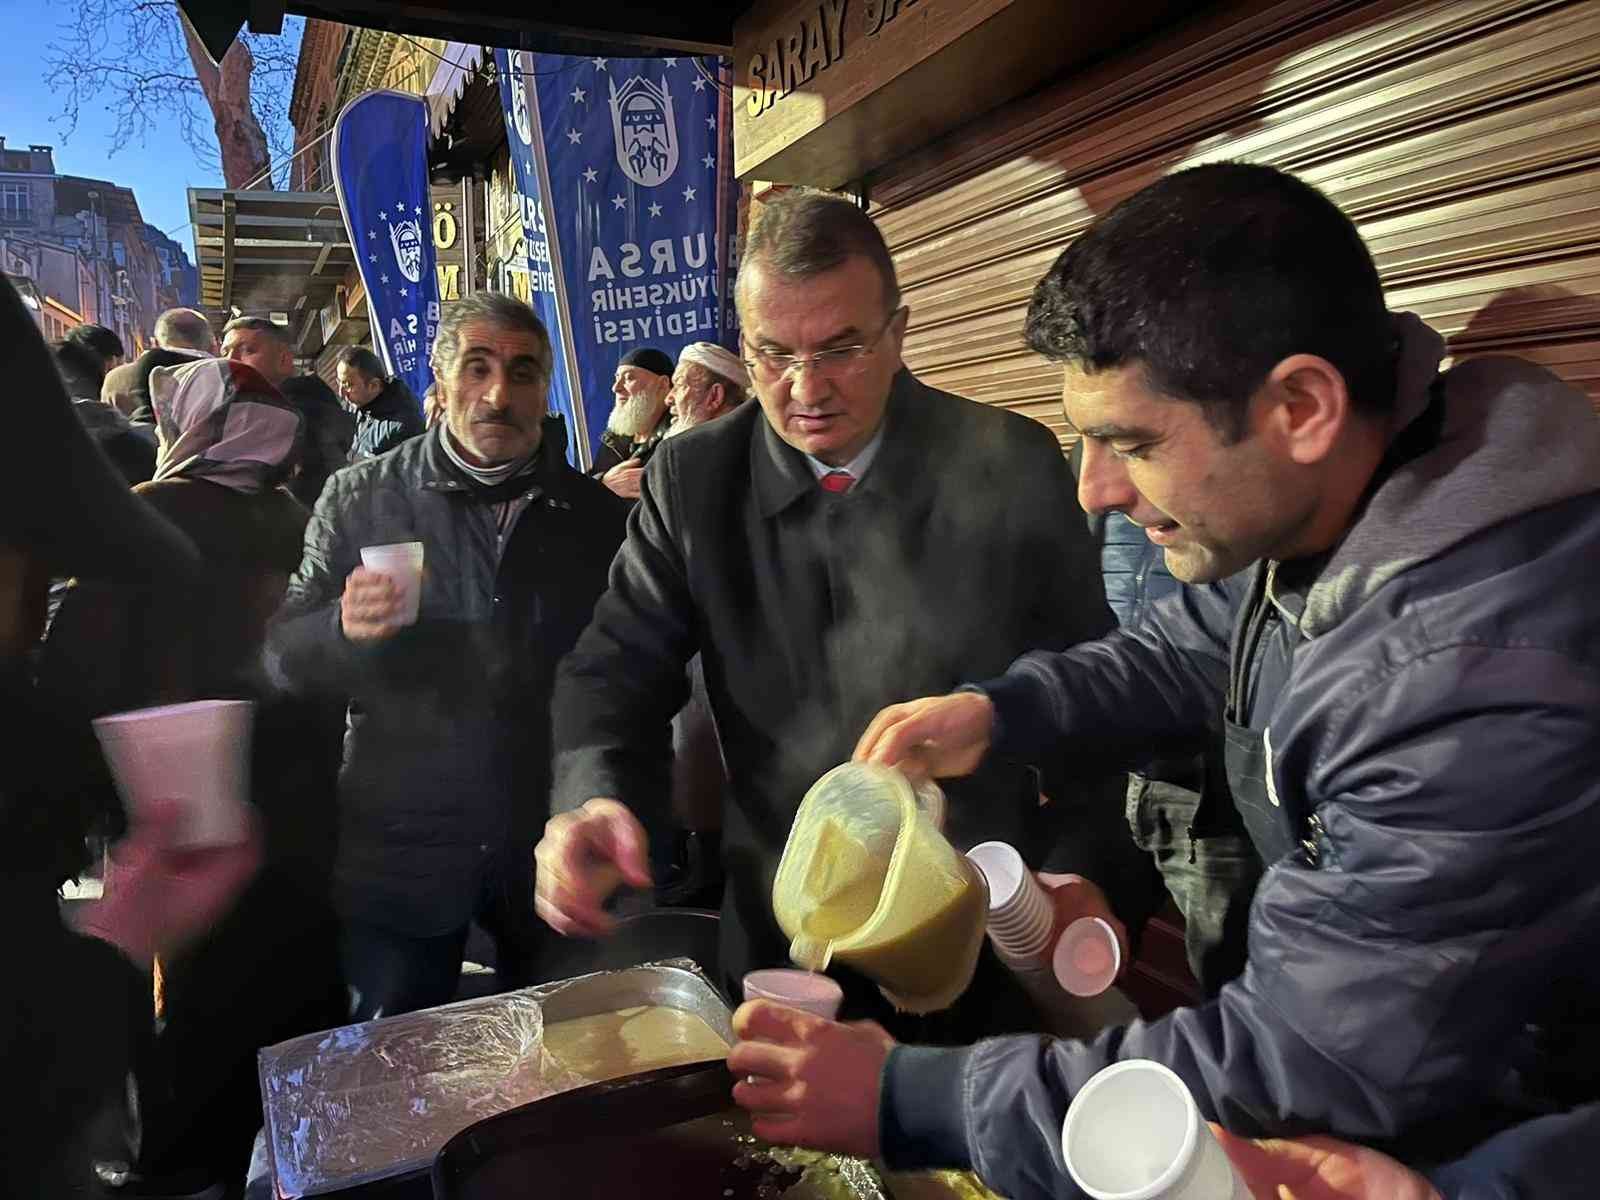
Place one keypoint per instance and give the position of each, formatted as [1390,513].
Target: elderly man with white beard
[639,420]
[710,382]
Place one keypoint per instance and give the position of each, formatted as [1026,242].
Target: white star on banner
[370,234]
[578,94]
[574,136]
[711,122]
[599,64]
[709,161]
[590,175]
[655,210]
[403,292]
[529,165]
[400,208]
[417,208]
[699,84]
[372,258]
[382,216]
[618,202]
[672,62]
[383,278]
[688,194]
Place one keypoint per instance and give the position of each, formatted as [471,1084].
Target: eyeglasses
[837,362]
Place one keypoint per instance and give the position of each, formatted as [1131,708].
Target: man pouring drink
[1407,685]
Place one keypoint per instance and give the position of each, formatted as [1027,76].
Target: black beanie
[650,359]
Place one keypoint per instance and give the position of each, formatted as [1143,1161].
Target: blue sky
[159,172]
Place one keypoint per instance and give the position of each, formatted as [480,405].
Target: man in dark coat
[265,346]
[447,750]
[386,411]
[639,419]
[852,532]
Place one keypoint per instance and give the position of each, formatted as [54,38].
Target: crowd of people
[1290,640]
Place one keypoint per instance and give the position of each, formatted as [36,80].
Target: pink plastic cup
[805,990]
[1087,957]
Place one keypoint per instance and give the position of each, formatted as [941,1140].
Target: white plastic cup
[806,990]
[401,562]
[196,755]
[1087,957]
[1133,1133]
[1021,917]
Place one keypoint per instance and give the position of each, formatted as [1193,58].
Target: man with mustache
[446,769]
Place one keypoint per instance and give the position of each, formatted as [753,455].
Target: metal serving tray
[355,1110]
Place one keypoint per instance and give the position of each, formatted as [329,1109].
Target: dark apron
[1275,831]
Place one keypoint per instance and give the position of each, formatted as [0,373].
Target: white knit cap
[717,360]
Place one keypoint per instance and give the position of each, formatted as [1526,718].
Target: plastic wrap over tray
[377,1100]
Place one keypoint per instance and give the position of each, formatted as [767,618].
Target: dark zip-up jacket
[447,746]
[1422,969]
[393,417]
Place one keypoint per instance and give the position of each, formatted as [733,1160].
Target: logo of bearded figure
[644,131]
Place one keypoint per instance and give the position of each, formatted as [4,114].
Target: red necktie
[837,482]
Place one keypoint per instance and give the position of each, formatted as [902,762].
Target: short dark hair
[97,338]
[359,358]
[81,368]
[185,328]
[804,233]
[496,308]
[263,325]
[1210,277]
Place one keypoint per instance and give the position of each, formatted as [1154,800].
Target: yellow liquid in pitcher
[609,1045]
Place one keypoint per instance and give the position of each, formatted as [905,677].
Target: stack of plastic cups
[1021,917]
[1133,1133]
[1086,958]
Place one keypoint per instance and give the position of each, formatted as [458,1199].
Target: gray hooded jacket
[1422,971]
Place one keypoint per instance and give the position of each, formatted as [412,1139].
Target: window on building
[119,252]
[16,201]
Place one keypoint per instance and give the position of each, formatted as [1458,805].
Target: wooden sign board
[827,90]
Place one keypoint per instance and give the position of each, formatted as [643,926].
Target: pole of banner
[569,348]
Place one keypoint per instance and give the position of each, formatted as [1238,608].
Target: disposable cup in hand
[195,755]
[1133,1133]
[401,562]
[1087,957]
[1021,916]
[806,990]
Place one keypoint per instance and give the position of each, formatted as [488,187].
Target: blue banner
[640,154]
[518,101]
[380,173]
[633,161]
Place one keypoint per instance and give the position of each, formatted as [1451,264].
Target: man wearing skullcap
[638,421]
[709,382]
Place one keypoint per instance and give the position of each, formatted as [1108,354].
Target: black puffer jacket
[389,420]
[447,753]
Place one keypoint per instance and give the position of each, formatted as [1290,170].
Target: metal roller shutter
[1463,137]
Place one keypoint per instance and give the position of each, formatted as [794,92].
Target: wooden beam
[228,204]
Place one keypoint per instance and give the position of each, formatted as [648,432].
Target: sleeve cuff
[1022,727]
[921,1118]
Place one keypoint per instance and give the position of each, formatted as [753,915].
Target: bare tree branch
[132,58]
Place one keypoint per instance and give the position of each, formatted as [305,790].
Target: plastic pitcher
[868,880]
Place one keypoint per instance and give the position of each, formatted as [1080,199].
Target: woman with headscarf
[228,441]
